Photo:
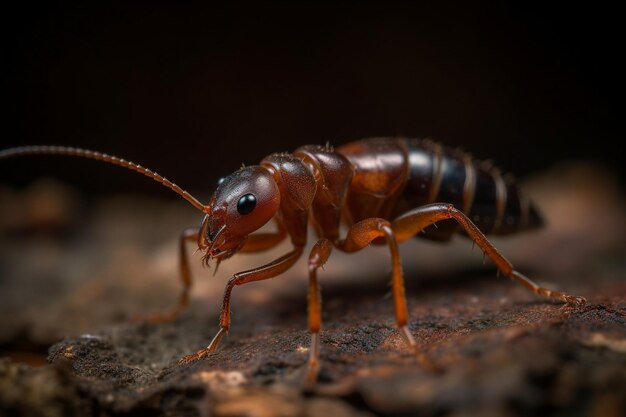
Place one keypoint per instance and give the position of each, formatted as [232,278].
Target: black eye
[246,204]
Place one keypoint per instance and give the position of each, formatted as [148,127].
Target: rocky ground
[74,275]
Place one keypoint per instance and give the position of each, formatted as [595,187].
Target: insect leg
[415,220]
[267,271]
[318,257]
[362,234]
[261,241]
[190,234]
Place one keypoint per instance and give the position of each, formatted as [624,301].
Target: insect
[386,190]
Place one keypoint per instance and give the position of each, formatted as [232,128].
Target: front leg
[259,242]
[267,271]
[190,234]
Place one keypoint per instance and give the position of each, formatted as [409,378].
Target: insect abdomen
[438,174]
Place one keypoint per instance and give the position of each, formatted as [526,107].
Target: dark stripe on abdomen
[484,211]
[444,175]
[423,177]
[512,219]
[436,175]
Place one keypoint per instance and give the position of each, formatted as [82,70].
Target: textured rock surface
[72,287]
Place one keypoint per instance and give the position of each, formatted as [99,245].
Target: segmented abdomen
[432,173]
[441,174]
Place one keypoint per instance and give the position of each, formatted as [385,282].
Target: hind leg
[414,221]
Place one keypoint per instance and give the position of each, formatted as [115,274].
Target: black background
[193,92]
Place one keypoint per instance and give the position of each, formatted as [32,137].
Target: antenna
[99,156]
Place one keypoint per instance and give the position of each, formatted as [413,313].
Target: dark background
[192,92]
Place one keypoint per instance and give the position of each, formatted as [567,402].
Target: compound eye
[246,204]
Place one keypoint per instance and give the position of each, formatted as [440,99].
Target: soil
[74,276]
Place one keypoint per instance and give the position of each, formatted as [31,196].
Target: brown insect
[385,190]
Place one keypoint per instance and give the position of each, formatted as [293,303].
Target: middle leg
[360,235]
[318,257]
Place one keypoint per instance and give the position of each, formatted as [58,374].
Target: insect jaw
[217,242]
[214,248]
[208,245]
[209,242]
[203,239]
